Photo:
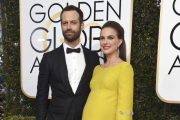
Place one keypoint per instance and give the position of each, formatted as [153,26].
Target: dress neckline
[111,66]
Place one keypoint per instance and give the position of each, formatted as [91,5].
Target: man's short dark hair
[72,7]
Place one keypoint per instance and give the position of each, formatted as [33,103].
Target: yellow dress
[111,96]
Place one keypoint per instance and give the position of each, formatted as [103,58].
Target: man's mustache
[69,31]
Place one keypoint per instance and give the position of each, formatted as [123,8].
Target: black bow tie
[69,50]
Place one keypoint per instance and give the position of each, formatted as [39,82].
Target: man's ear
[82,26]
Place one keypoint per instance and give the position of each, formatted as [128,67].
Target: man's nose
[69,26]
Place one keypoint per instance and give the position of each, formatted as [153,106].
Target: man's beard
[73,36]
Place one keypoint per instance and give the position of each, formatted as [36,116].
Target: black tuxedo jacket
[65,105]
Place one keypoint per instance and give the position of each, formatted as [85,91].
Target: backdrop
[41,31]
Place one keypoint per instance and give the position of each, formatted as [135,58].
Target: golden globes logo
[47,42]
[172,40]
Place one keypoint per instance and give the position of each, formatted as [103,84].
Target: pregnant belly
[101,105]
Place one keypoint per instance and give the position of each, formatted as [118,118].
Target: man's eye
[73,22]
[64,23]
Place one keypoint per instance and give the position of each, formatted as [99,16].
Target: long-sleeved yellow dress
[111,96]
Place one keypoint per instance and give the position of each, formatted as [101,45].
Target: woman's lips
[106,47]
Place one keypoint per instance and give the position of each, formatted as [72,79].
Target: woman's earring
[101,54]
[118,52]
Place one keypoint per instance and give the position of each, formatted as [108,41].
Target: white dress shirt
[75,65]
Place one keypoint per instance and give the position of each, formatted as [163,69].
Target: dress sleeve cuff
[124,112]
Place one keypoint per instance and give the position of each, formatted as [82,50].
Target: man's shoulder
[53,52]
[89,51]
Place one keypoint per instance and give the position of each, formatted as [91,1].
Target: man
[68,70]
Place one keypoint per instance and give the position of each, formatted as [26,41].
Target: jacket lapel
[63,69]
[86,72]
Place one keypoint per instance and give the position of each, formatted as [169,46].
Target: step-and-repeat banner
[168,65]
[41,30]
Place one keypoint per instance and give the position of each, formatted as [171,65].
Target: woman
[111,96]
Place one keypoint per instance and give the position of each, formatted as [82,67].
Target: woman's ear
[120,42]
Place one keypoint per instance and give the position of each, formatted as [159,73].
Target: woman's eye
[101,38]
[110,37]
